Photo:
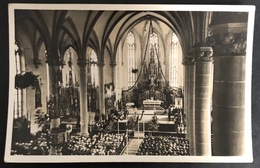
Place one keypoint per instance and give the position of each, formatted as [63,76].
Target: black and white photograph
[129,83]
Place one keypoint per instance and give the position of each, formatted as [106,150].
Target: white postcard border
[63,159]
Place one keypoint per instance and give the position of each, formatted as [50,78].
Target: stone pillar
[55,118]
[190,98]
[113,69]
[186,97]
[114,80]
[82,63]
[54,111]
[101,89]
[192,108]
[49,81]
[229,126]
[54,69]
[202,100]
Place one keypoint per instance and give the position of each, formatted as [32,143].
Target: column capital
[54,62]
[100,64]
[37,62]
[228,28]
[188,60]
[82,62]
[203,54]
[228,39]
[113,63]
[228,44]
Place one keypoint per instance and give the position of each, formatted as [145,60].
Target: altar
[152,104]
[151,92]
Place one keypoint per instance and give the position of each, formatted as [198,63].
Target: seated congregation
[164,145]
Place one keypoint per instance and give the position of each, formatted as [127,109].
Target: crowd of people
[181,129]
[176,114]
[99,144]
[38,145]
[164,145]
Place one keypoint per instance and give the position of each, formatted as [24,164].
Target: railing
[163,133]
[123,145]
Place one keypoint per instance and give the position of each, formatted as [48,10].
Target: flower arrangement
[42,120]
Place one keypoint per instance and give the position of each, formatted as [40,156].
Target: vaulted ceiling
[102,30]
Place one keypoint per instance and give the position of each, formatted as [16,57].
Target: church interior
[168,83]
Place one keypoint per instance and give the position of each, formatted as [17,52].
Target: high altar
[151,91]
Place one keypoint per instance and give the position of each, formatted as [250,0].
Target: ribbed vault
[103,30]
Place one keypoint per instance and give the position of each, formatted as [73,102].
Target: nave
[169,140]
[90,82]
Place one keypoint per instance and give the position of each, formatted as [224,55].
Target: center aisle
[132,146]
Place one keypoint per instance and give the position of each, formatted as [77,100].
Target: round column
[191,107]
[114,77]
[82,63]
[54,111]
[186,96]
[203,100]
[189,103]
[229,126]
[113,67]
[101,90]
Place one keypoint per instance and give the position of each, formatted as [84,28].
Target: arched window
[18,109]
[154,46]
[68,70]
[173,66]
[94,68]
[131,59]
